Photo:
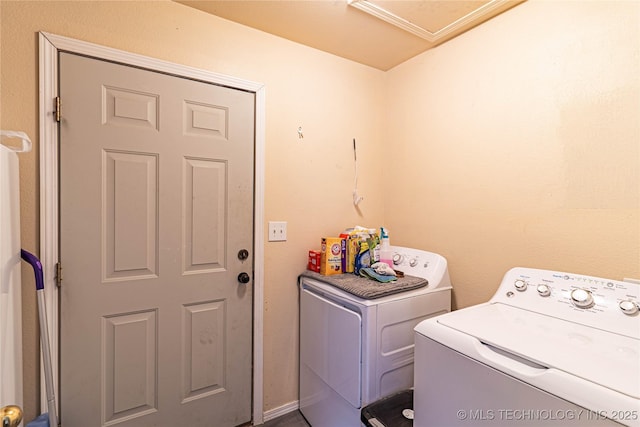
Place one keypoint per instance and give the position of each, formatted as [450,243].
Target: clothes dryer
[354,351]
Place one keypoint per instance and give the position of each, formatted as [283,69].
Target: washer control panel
[606,304]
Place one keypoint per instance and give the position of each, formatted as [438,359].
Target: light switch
[277,231]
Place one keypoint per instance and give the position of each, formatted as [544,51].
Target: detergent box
[350,247]
[331,255]
[314,261]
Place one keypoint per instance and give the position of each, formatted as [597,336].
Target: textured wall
[517,143]
[308,181]
[520,145]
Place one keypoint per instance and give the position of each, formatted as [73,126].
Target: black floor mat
[388,412]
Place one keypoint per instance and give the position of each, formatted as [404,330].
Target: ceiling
[378,33]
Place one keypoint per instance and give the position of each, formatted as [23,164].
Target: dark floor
[292,419]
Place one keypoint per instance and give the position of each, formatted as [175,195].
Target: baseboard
[281,410]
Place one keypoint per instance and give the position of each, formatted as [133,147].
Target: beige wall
[308,181]
[518,144]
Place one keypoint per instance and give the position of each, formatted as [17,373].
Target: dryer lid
[605,358]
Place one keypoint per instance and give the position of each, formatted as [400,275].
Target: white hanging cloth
[12,134]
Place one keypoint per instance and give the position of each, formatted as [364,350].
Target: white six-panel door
[156,203]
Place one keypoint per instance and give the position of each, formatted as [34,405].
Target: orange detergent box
[314,261]
[331,256]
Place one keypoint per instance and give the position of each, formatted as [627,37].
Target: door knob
[243,254]
[243,277]
[11,416]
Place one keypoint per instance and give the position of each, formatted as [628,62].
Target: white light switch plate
[277,231]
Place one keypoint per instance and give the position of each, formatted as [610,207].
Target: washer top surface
[414,262]
[585,326]
[602,357]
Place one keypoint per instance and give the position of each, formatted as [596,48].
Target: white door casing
[50,46]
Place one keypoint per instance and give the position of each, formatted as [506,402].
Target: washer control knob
[520,285]
[413,262]
[582,298]
[628,307]
[397,259]
[544,290]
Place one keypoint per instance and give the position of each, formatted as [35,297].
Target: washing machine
[548,349]
[355,350]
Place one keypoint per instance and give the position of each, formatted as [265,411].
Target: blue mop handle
[37,268]
[44,335]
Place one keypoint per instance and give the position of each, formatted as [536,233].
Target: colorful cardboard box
[314,261]
[331,256]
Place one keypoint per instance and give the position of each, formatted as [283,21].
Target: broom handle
[44,335]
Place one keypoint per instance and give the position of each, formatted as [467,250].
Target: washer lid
[605,358]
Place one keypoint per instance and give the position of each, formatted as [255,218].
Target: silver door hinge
[58,274]
[58,113]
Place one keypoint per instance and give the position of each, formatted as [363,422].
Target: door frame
[49,47]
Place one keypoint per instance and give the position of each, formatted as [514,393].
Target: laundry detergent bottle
[386,254]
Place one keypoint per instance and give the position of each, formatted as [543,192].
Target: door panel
[204,328]
[156,188]
[331,343]
[204,213]
[129,340]
[130,215]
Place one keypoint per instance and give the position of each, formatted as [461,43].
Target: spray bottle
[386,254]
